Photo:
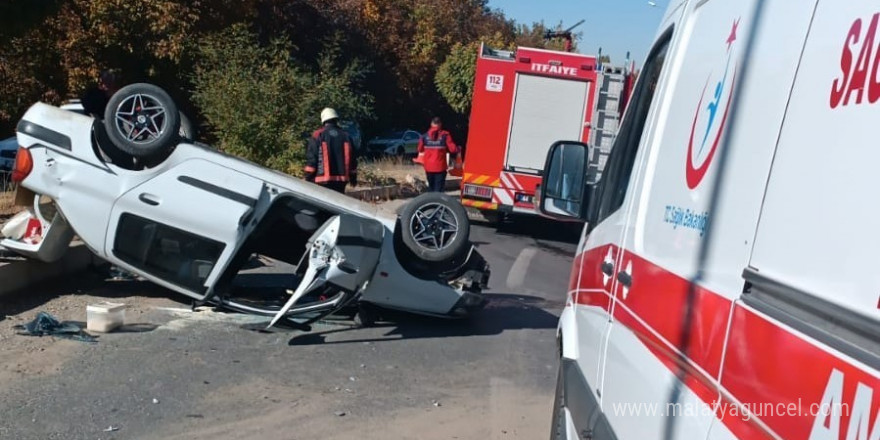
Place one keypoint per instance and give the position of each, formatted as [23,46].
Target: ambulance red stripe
[765,365]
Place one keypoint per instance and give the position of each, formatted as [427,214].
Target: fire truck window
[615,178]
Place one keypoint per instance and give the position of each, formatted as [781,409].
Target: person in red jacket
[433,147]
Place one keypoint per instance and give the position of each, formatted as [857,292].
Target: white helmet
[328,114]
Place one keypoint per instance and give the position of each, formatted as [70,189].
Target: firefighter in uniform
[330,158]
[433,147]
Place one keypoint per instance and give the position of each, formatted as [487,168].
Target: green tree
[259,102]
[455,77]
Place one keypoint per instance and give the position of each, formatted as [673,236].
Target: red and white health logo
[711,115]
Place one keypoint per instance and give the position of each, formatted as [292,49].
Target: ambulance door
[601,261]
[661,353]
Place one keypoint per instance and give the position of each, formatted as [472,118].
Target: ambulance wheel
[142,121]
[435,227]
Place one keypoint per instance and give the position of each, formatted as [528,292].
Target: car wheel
[142,120]
[435,227]
[400,151]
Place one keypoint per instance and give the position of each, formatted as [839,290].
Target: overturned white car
[190,218]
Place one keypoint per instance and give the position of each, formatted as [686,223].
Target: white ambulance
[727,284]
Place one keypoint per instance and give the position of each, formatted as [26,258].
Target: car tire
[400,151]
[435,228]
[142,121]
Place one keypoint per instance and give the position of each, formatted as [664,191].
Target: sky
[617,26]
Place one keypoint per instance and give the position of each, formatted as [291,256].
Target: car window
[171,254]
[410,136]
[615,179]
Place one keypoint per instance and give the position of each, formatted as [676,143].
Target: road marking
[517,274]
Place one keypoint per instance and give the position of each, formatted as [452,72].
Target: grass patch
[388,171]
[6,206]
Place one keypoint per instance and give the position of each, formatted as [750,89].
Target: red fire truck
[523,102]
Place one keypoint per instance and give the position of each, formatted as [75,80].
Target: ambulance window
[615,179]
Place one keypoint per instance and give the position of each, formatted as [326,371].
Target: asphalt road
[490,377]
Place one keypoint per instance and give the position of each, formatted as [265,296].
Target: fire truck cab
[523,101]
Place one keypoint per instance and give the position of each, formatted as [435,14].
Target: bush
[260,103]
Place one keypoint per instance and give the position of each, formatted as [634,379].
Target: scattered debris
[340,413]
[155,401]
[105,317]
[363,366]
[47,325]
[352,378]
[111,428]
[437,404]
[117,274]
[195,416]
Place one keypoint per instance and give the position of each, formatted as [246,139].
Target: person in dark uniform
[433,147]
[95,98]
[330,159]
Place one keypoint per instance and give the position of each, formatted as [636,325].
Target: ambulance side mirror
[564,193]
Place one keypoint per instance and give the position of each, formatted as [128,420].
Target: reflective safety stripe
[439,143]
[479,205]
[347,148]
[324,179]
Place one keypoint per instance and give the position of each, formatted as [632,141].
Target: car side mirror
[564,193]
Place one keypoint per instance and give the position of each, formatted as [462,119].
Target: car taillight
[24,164]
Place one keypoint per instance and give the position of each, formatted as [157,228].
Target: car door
[411,142]
[182,227]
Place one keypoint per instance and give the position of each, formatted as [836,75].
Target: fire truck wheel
[492,218]
[435,227]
